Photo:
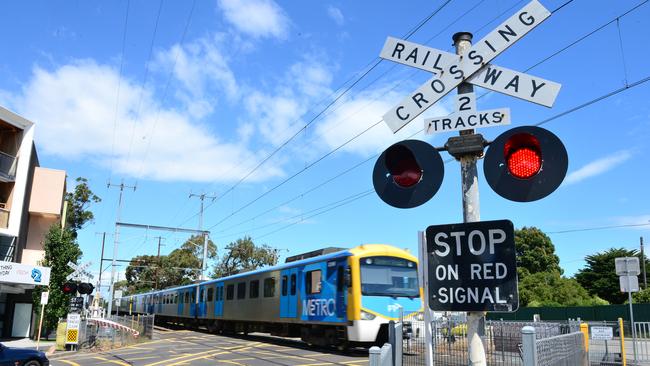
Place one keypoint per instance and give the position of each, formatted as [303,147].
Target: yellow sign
[72,336]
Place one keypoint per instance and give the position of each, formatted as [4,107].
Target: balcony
[7,167]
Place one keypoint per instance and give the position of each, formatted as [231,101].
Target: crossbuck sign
[472,67]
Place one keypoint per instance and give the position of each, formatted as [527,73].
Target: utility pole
[159,264]
[101,265]
[471,211]
[116,240]
[645,279]
[204,260]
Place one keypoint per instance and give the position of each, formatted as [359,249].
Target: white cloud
[598,167]
[256,18]
[363,110]
[74,111]
[336,15]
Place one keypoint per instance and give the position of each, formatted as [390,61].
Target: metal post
[629,297]
[529,346]
[471,212]
[374,354]
[423,271]
[40,327]
[645,279]
[115,242]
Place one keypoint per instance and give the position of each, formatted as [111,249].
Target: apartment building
[31,200]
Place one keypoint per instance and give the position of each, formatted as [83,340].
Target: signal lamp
[69,288]
[86,288]
[408,173]
[525,164]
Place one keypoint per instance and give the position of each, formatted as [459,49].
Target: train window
[210,294]
[269,287]
[230,292]
[340,279]
[193,296]
[241,290]
[202,296]
[175,298]
[313,282]
[293,284]
[284,285]
[187,297]
[254,289]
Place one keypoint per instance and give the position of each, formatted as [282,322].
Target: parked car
[22,357]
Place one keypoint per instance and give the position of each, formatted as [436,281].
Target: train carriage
[326,297]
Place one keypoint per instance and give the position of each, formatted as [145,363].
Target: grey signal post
[471,212]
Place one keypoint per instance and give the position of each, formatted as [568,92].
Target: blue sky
[222,84]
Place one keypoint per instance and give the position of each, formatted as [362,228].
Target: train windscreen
[389,276]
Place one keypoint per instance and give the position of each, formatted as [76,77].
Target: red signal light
[523,156]
[403,166]
[69,288]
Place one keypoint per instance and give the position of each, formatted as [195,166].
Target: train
[329,297]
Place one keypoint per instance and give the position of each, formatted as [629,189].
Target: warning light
[86,288]
[69,288]
[408,173]
[523,155]
[525,164]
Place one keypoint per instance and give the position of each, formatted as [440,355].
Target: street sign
[451,74]
[627,266]
[602,333]
[79,271]
[472,267]
[629,283]
[467,120]
[76,304]
[72,329]
[45,296]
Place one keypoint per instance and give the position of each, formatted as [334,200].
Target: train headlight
[367,316]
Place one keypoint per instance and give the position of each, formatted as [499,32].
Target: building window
[241,290]
[254,289]
[313,282]
[230,292]
[269,287]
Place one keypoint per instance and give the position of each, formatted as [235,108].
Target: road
[184,347]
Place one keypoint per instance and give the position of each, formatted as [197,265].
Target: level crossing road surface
[184,347]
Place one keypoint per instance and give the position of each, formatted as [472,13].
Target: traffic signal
[525,164]
[69,288]
[86,288]
[408,173]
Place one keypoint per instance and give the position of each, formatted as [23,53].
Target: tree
[78,201]
[641,297]
[242,256]
[535,252]
[182,266]
[61,247]
[551,289]
[599,276]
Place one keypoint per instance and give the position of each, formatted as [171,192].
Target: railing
[561,350]
[7,249]
[102,336]
[8,165]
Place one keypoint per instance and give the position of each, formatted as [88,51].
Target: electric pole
[101,265]
[116,240]
[645,279]
[204,260]
[159,264]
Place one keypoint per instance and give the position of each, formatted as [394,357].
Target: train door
[193,301]
[160,298]
[201,310]
[179,299]
[289,293]
[336,276]
[218,300]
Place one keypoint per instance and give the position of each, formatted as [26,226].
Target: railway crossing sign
[467,117]
[451,70]
[472,267]
[79,271]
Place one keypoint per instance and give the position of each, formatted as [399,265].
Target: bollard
[375,354]
[529,346]
[584,328]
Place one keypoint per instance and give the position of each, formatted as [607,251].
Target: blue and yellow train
[327,297]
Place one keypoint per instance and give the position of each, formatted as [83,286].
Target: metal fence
[560,350]
[502,339]
[381,356]
[118,331]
